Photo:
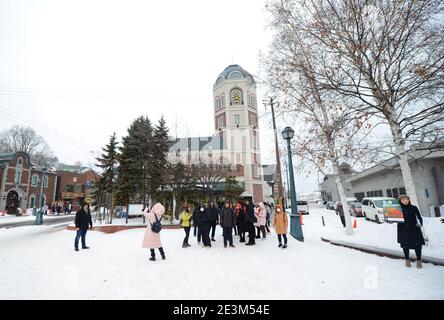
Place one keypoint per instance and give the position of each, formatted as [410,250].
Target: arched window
[235,75]
[217,103]
[222,97]
[236,97]
[253,101]
[249,98]
[32,202]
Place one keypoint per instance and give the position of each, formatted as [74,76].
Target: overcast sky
[78,70]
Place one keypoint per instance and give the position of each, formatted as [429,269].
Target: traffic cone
[355,225]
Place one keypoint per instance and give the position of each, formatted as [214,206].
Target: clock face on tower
[236,96]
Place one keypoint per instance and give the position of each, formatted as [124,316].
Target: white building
[236,136]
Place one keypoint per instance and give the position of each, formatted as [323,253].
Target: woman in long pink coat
[261,215]
[151,239]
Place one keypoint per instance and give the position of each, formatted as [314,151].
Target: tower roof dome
[233,72]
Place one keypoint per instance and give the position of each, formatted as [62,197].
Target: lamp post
[39,213]
[295,228]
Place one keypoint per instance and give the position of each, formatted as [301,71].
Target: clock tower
[236,120]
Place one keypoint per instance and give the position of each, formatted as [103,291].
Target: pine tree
[161,148]
[108,162]
[136,159]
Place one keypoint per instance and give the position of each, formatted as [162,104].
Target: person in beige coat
[280,224]
[151,239]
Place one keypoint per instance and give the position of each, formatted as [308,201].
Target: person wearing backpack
[151,239]
[185,223]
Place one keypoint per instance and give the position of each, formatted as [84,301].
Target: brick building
[75,185]
[21,183]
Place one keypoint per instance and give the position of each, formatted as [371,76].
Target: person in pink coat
[151,239]
[261,215]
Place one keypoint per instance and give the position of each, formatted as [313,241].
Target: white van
[373,208]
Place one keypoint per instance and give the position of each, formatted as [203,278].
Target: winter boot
[285,246]
[153,258]
[419,264]
[232,246]
[163,256]
[77,249]
[280,245]
[408,264]
[184,246]
[85,248]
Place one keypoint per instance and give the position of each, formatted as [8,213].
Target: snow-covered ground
[38,262]
[381,235]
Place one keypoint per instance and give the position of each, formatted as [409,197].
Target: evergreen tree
[108,162]
[161,148]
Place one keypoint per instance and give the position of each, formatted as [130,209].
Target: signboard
[72,195]
[135,209]
[392,211]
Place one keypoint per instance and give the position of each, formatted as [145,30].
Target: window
[236,97]
[253,120]
[380,193]
[34,180]
[402,191]
[389,193]
[32,201]
[365,203]
[249,98]
[237,119]
[253,100]
[235,75]
[221,121]
[78,188]
[395,192]
[427,193]
[45,181]
[222,100]
[18,177]
[69,188]
[74,179]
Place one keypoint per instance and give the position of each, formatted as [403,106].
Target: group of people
[246,219]
[56,209]
[242,219]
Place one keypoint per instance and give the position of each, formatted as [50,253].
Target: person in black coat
[204,226]
[227,222]
[213,213]
[409,233]
[196,214]
[250,220]
[83,221]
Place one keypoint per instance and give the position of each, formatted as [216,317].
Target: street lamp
[295,228]
[39,213]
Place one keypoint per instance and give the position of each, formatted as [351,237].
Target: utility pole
[278,181]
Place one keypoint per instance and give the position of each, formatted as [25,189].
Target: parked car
[331,205]
[356,209]
[375,208]
[303,207]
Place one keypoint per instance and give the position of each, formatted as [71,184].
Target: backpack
[156,227]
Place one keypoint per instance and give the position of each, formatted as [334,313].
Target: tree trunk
[343,197]
[403,162]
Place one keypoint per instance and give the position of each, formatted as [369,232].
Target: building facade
[236,138]
[75,186]
[385,180]
[329,190]
[22,183]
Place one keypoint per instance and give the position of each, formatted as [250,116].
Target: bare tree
[388,54]
[209,175]
[330,130]
[25,139]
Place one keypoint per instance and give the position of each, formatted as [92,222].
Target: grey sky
[78,70]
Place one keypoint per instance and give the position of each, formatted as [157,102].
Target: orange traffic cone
[355,225]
